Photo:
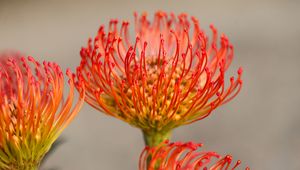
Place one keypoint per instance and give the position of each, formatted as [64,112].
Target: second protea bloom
[171,75]
[184,156]
[33,111]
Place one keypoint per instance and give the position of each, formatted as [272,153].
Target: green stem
[154,138]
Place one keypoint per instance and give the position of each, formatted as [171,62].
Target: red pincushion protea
[171,75]
[183,156]
[33,112]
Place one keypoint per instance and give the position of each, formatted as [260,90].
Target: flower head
[171,75]
[33,112]
[183,156]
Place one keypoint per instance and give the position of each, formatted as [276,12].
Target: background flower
[33,112]
[183,156]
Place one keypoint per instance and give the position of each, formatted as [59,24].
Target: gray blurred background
[260,126]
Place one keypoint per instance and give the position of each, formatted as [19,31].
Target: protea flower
[183,156]
[33,110]
[171,75]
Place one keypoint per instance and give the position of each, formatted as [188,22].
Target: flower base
[155,138]
[27,166]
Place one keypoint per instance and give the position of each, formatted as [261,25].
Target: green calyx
[156,137]
[24,166]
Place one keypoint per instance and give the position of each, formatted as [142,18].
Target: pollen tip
[60,74]
[23,59]
[240,70]
[69,72]
[228,157]
[200,144]
[30,58]
[192,145]
[211,26]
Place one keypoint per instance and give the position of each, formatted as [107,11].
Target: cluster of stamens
[171,75]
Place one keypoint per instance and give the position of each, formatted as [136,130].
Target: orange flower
[171,75]
[33,112]
[183,156]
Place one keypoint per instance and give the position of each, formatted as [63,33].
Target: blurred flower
[171,75]
[183,156]
[33,112]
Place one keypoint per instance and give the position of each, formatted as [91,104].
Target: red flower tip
[240,70]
